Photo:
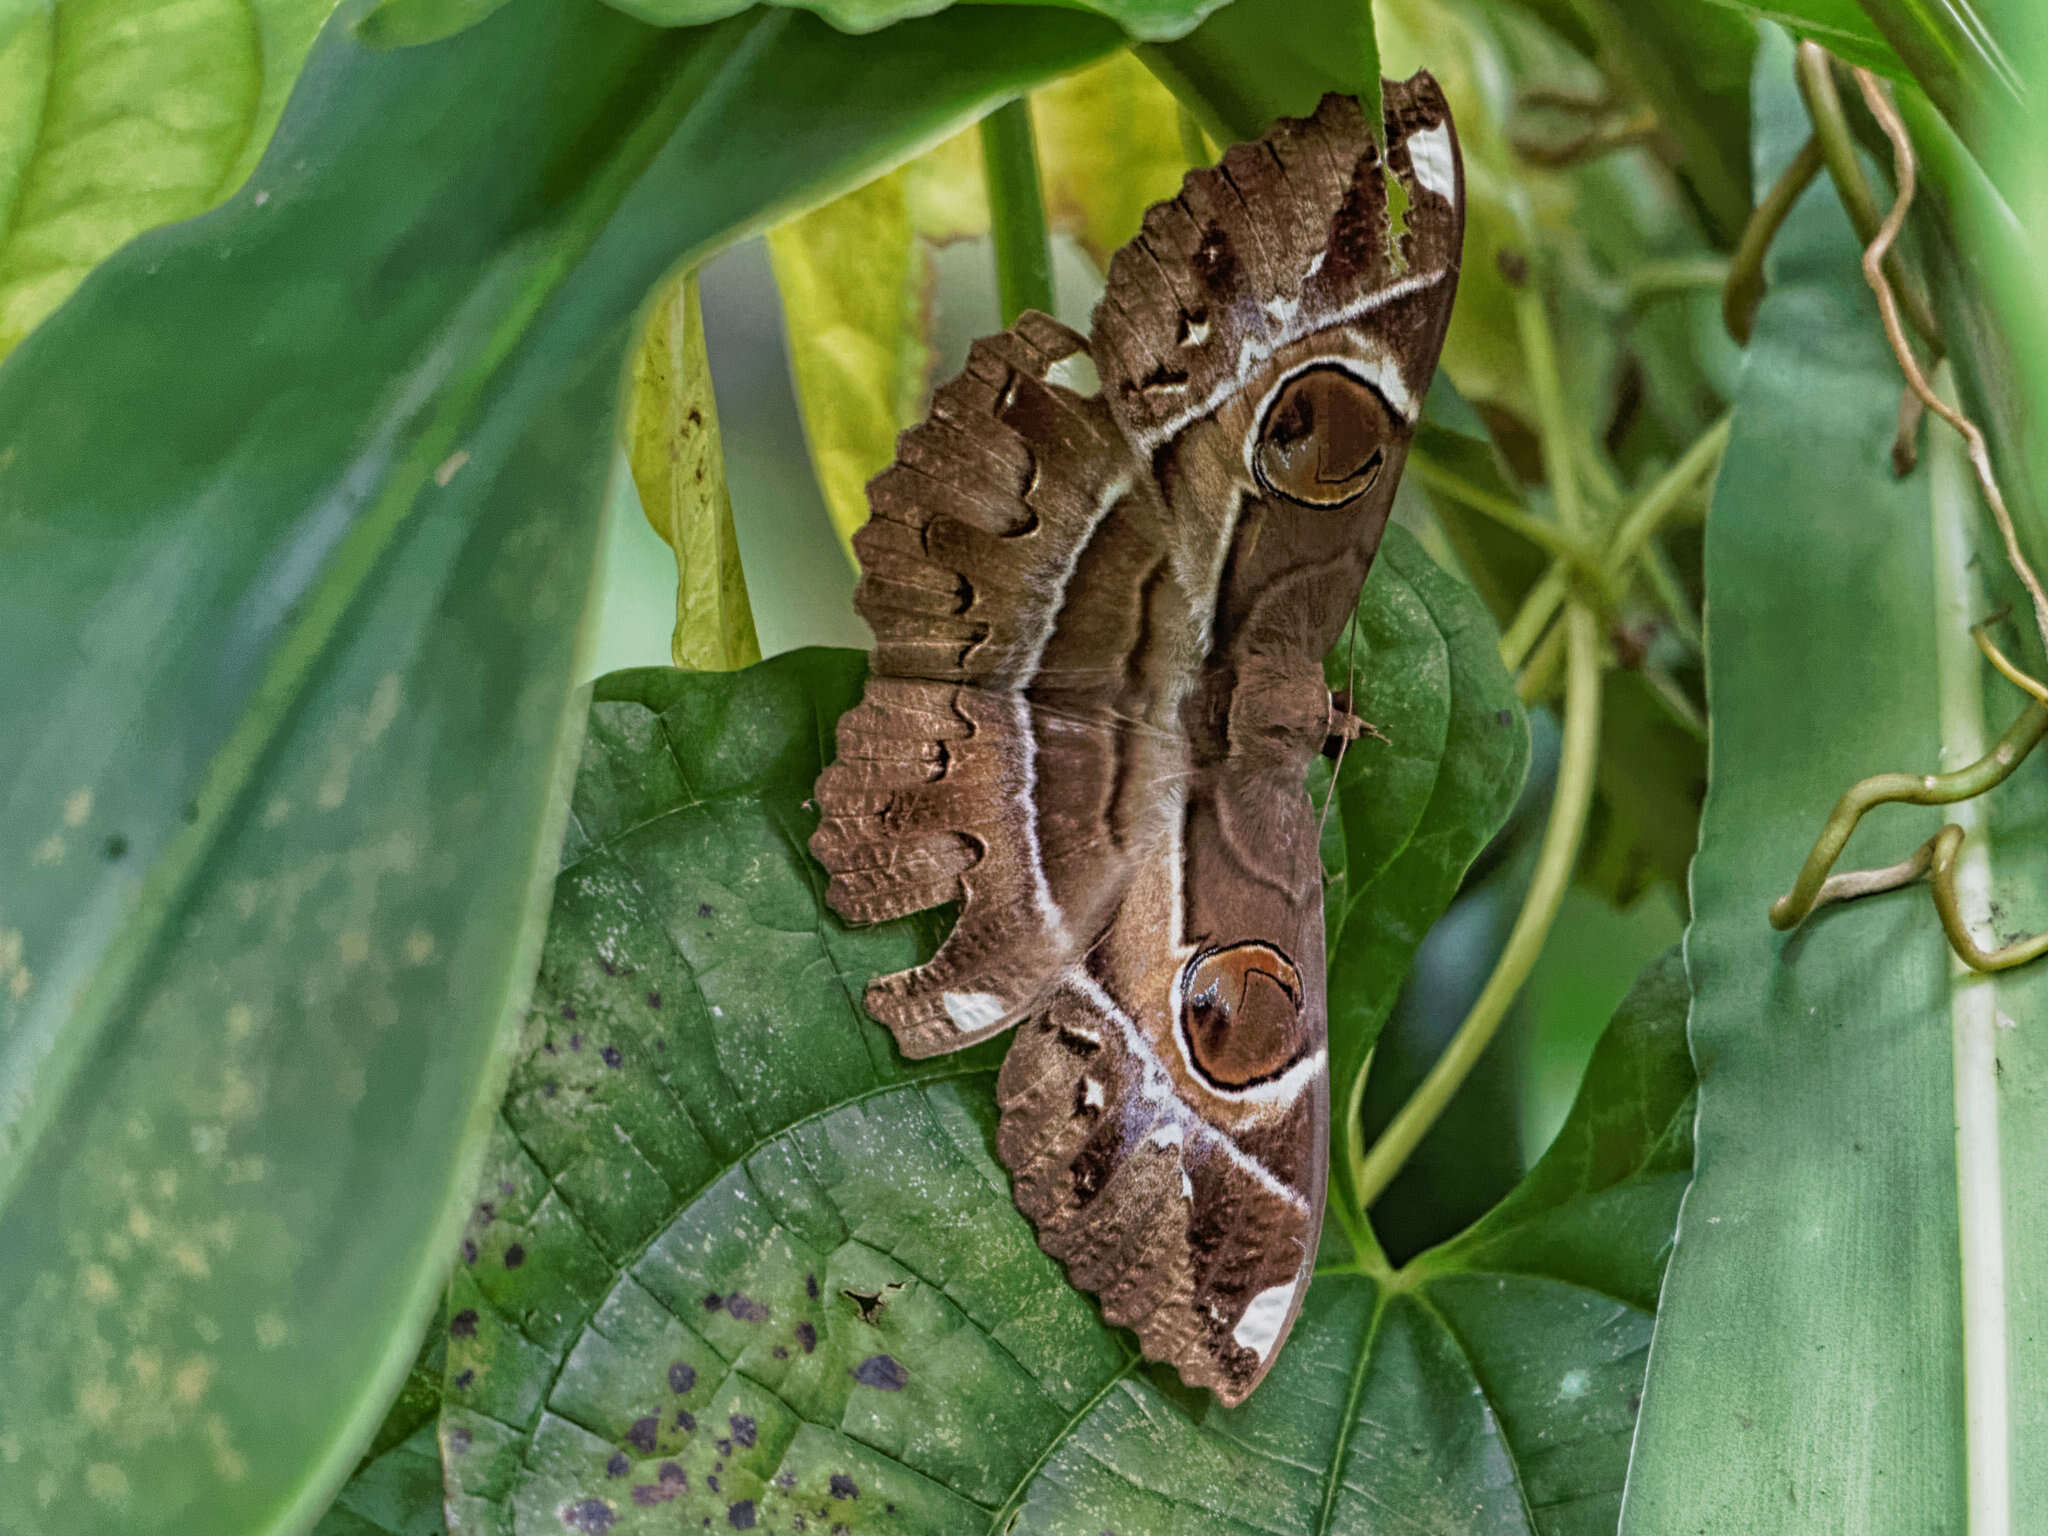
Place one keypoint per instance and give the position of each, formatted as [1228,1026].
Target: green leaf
[1413,810]
[408,23]
[299,504]
[733,1258]
[419,21]
[1840,26]
[678,460]
[120,115]
[1691,62]
[396,1489]
[853,277]
[1844,1343]
[1256,60]
[1961,63]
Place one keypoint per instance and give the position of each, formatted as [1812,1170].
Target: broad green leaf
[120,115]
[1961,63]
[396,1488]
[298,507]
[417,21]
[408,23]
[1840,26]
[1845,1343]
[1256,60]
[673,444]
[1413,810]
[1144,19]
[733,1259]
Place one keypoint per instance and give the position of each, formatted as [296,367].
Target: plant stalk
[1016,207]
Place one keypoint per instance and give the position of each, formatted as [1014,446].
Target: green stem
[1838,151]
[1664,497]
[1510,515]
[1745,290]
[1671,596]
[1554,864]
[1650,512]
[1009,165]
[1559,854]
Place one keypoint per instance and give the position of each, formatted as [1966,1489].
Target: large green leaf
[1845,1344]
[407,22]
[120,115]
[1840,26]
[1256,60]
[735,1260]
[298,505]
[1962,64]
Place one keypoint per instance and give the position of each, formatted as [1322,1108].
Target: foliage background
[302,508]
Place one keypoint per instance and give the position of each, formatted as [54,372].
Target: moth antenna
[1344,742]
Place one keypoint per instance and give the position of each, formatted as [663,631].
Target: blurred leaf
[1691,62]
[1145,19]
[1840,26]
[1829,1284]
[678,461]
[734,1259]
[396,1488]
[408,23]
[1505,199]
[1651,781]
[1413,811]
[1256,60]
[298,508]
[855,275]
[1109,145]
[1962,66]
[1500,564]
[130,114]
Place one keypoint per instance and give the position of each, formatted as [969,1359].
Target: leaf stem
[1559,853]
[1009,165]
[1745,289]
[1553,874]
[1817,88]
[1511,516]
[1651,510]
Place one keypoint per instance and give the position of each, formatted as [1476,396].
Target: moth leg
[1933,860]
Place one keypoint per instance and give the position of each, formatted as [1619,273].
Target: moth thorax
[1241,1012]
[1324,438]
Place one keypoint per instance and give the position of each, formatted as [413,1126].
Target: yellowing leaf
[853,289]
[855,274]
[1481,353]
[1109,146]
[678,464]
[131,114]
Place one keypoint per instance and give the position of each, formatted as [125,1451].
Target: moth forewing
[1100,615]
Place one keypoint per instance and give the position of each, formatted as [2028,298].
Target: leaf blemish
[882,1372]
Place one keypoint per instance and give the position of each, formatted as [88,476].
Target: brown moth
[1102,578]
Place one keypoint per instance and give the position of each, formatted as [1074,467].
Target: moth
[1102,577]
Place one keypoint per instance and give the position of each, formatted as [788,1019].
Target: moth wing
[1165,1117]
[1017,725]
